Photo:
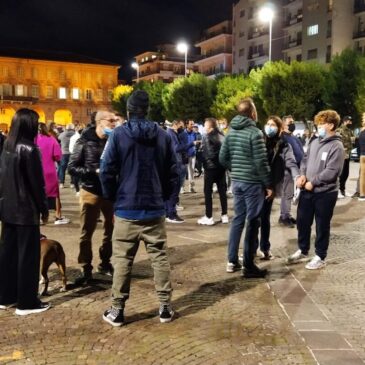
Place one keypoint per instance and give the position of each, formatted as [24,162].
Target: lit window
[49,92]
[35,91]
[62,93]
[20,90]
[75,93]
[154,56]
[312,30]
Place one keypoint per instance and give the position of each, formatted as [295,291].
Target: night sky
[112,30]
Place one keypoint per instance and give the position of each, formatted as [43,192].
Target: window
[5,71]
[312,54]
[62,75]
[241,34]
[99,94]
[49,92]
[20,72]
[329,28]
[88,94]
[312,30]
[7,90]
[110,94]
[241,52]
[75,93]
[242,13]
[299,57]
[62,93]
[328,54]
[20,90]
[99,78]
[35,91]
[34,72]
[88,76]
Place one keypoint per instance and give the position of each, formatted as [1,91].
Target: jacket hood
[141,130]
[330,139]
[241,122]
[89,133]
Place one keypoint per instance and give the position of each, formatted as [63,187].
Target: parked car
[354,155]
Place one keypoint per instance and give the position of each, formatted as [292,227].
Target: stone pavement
[292,317]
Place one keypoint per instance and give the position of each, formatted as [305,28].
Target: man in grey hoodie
[320,168]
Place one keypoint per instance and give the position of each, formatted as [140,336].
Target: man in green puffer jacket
[244,153]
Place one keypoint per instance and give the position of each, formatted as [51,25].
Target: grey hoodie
[322,164]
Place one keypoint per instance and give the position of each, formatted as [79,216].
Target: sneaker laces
[165,307]
[114,312]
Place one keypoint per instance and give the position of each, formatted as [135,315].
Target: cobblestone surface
[222,318]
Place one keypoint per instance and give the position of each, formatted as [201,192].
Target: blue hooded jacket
[138,171]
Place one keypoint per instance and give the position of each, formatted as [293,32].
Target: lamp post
[266,15]
[135,65]
[183,48]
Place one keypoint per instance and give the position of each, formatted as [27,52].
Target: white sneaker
[224,219]
[72,186]
[179,207]
[297,257]
[215,189]
[7,306]
[229,191]
[340,195]
[62,220]
[232,267]
[41,307]
[205,221]
[77,193]
[361,198]
[348,195]
[240,259]
[315,264]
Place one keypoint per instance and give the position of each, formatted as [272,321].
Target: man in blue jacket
[138,174]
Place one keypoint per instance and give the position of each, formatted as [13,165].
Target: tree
[295,89]
[189,97]
[119,98]
[346,84]
[155,91]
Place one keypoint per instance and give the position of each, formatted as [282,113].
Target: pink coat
[51,152]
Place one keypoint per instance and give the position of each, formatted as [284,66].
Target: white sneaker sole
[114,324]
[206,224]
[175,222]
[167,320]
[26,312]
[315,268]
[7,306]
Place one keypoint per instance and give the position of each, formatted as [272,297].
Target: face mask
[180,130]
[107,131]
[291,127]
[321,132]
[271,131]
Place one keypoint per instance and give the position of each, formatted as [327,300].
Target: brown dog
[52,252]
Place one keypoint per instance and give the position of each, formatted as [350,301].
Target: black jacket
[211,146]
[85,160]
[22,187]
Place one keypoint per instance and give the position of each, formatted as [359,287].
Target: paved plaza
[294,316]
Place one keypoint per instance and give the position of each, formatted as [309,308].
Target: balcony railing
[217,51]
[253,55]
[293,43]
[18,99]
[287,2]
[294,20]
[224,30]
[253,35]
[359,6]
[359,34]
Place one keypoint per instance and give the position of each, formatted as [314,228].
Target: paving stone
[325,340]
[336,357]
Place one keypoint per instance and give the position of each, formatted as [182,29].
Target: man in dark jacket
[214,172]
[244,152]
[64,138]
[139,174]
[320,169]
[85,164]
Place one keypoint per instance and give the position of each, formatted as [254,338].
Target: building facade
[303,30]
[165,64]
[62,88]
[216,50]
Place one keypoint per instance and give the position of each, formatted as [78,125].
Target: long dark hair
[23,126]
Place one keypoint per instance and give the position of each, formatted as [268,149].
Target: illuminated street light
[135,65]
[183,48]
[267,15]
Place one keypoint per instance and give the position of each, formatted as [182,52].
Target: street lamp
[135,65]
[266,15]
[183,48]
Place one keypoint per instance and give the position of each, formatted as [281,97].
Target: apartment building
[303,30]
[165,64]
[61,87]
[216,50]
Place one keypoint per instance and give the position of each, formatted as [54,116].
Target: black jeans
[344,174]
[265,227]
[318,206]
[217,176]
[19,265]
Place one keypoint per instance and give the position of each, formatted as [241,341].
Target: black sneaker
[40,307]
[166,313]
[293,220]
[356,195]
[254,272]
[174,219]
[286,222]
[84,279]
[114,316]
[106,269]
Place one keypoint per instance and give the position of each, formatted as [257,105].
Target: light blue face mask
[321,132]
[107,131]
[271,131]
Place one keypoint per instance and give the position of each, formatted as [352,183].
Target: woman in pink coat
[51,153]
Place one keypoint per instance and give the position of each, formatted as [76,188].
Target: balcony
[293,43]
[18,99]
[359,6]
[253,35]
[288,2]
[359,34]
[258,54]
[217,51]
[224,30]
[293,20]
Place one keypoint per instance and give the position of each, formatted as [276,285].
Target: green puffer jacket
[244,153]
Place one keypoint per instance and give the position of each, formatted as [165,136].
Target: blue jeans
[265,227]
[248,202]
[62,168]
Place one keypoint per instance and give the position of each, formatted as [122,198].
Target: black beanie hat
[138,102]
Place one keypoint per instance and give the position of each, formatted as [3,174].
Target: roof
[44,55]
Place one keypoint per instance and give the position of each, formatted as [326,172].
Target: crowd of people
[133,172]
